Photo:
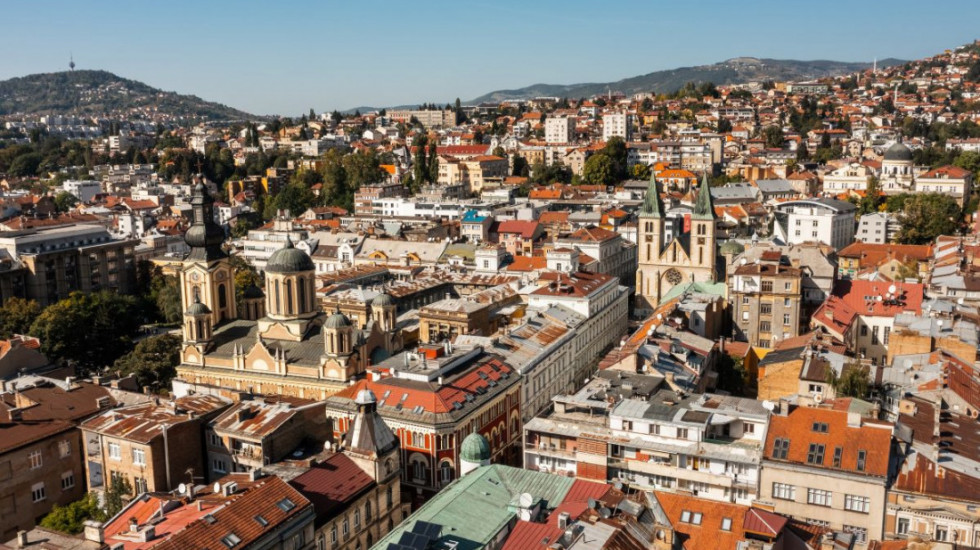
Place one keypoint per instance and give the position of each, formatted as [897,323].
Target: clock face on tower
[195,277]
[673,276]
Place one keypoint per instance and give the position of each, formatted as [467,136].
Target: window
[139,457]
[903,526]
[874,335]
[857,503]
[862,455]
[864,330]
[64,448]
[655,429]
[765,309]
[367,512]
[357,519]
[788,286]
[786,318]
[445,472]
[815,454]
[38,493]
[286,505]
[114,451]
[745,299]
[888,331]
[783,491]
[139,484]
[34,459]
[681,433]
[780,448]
[333,535]
[418,440]
[765,326]
[942,533]
[696,519]
[818,497]
[231,540]
[837,456]
[67,481]
[726,524]
[219,466]
[214,440]
[786,302]
[860,533]
[820,427]
[389,498]
[766,286]
[345,529]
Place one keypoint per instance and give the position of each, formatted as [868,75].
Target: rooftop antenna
[71,62]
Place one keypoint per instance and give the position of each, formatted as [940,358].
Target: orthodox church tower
[206,277]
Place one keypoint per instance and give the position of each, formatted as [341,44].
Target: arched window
[301,290]
[289,297]
[390,501]
[445,471]
[222,296]
[367,512]
[370,540]
[277,298]
[197,293]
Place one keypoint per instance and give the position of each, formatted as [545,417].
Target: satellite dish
[525,500]
[892,289]
[217,487]
[591,503]
[660,534]
[605,513]
[182,489]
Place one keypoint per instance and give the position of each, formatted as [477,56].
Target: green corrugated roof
[474,508]
[718,289]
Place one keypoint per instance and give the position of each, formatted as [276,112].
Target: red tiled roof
[527,263]
[869,297]
[709,533]
[331,484]
[874,438]
[527,229]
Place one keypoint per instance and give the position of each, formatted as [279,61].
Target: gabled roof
[332,485]
[797,426]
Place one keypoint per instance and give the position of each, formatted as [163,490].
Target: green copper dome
[289,259]
[337,320]
[731,247]
[898,152]
[197,308]
[475,448]
[383,299]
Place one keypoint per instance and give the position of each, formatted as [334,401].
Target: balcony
[549,450]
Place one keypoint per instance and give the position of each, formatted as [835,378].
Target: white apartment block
[559,130]
[616,125]
[829,221]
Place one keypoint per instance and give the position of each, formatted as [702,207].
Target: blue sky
[286,57]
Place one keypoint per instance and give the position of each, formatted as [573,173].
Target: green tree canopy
[16,316]
[65,201]
[153,361]
[600,169]
[773,136]
[93,329]
[926,216]
[71,519]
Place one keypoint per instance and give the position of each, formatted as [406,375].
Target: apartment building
[64,259]
[828,466]
[150,446]
[617,125]
[559,130]
[765,300]
[253,433]
[829,221]
[623,426]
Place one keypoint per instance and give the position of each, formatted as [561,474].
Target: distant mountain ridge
[101,93]
[738,70]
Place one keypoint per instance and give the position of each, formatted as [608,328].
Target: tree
[926,216]
[641,171]
[519,166]
[16,316]
[724,126]
[872,198]
[93,329]
[115,496]
[168,301]
[245,276]
[153,361]
[295,198]
[600,169]
[433,162]
[773,136]
[854,382]
[969,160]
[71,519]
[732,375]
[65,201]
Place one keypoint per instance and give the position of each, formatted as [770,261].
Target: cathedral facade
[280,342]
[688,257]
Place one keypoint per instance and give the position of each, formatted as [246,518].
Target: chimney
[256,474]
[563,520]
[134,525]
[21,539]
[93,531]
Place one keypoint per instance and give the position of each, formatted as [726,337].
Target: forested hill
[101,93]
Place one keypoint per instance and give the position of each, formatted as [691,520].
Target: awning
[720,419]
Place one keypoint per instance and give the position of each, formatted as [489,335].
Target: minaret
[650,239]
[703,229]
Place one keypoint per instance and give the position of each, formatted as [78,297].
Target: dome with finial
[289,259]
[475,448]
[204,236]
[197,308]
[337,320]
[382,300]
[365,397]
[898,152]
